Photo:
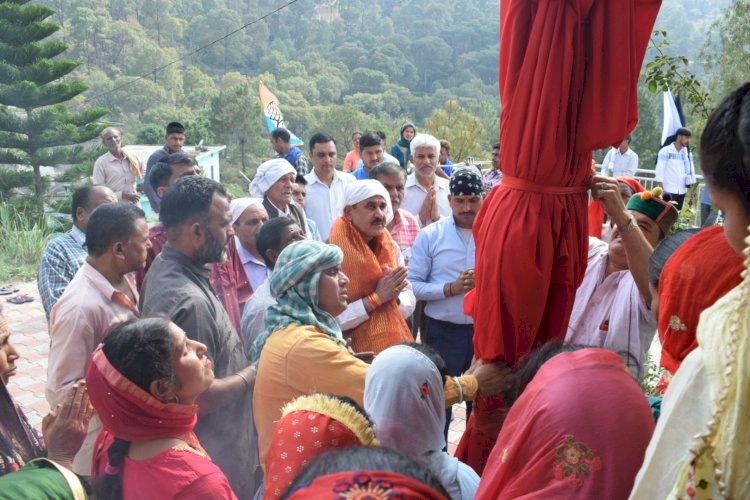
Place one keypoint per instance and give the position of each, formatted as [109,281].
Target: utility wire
[189,54]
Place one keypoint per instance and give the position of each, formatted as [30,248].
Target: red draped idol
[568,83]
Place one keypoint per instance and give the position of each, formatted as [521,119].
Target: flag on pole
[673,118]
[272,112]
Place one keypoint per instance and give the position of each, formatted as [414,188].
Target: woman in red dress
[144,381]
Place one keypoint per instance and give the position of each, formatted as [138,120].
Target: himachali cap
[662,212]
[466,181]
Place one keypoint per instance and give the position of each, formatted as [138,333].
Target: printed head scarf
[268,173]
[239,205]
[466,181]
[705,262]
[358,191]
[368,484]
[294,283]
[310,425]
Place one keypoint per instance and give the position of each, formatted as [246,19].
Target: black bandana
[466,181]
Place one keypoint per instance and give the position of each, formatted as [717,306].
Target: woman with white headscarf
[274,182]
[405,399]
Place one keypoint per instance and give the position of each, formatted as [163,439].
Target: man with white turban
[274,182]
[379,295]
[248,216]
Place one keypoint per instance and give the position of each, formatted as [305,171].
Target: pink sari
[579,430]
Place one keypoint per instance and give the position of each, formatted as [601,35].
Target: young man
[101,295]
[620,161]
[174,140]
[426,194]
[280,142]
[495,175]
[441,271]
[674,167]
[117,169]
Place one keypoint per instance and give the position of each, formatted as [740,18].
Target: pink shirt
[88,309]
[405,232]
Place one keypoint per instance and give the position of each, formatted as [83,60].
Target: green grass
[22,241]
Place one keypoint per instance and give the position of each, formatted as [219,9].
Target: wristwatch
[630,226]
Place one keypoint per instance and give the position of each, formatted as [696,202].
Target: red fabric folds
[555,447]
[562,62]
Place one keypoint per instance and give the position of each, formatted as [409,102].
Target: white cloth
[415,194]
[616,301]
[362,190]
[326,203]
[239,205]
[618,164]
[674,169]
[268,173]
[404,397]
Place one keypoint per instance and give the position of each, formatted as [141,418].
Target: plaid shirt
[492,179]
[59,263]
[405,232]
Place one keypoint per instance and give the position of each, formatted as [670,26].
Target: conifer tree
[36,127]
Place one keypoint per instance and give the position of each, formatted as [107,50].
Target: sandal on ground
[8,289]
[21,299]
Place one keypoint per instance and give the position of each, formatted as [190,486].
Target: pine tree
[36,127]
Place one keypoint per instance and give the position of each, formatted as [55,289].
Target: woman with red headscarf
[565,437]
[144,381]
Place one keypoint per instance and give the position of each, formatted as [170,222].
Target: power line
[189,54]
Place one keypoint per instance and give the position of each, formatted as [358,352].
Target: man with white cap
[248,216]
[380,297]
[274,182]
[426,195]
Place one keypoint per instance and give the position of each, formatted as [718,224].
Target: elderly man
[612,304]
[404,227]
[65,254]
[325,184]
[380,297]
[281,143]
[197,217]
[101,295]
[118,169]
[248,216]
[271,239]
[174,140]
[274,182]
[441,271]
[426,194]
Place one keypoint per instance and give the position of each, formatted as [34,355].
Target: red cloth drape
[568,83]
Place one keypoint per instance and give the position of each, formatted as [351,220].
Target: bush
[23,237]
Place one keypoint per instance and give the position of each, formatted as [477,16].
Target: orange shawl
[364,267]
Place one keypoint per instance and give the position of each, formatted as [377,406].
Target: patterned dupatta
[19,442]
[364,266]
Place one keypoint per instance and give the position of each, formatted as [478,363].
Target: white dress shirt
[415,195]
[325,204]
[617,164]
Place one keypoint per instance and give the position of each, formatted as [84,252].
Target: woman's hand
[65,427]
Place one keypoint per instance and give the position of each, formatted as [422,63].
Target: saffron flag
[272,112]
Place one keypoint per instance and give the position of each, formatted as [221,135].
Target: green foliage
[23,235]
[460,128]
[151,133]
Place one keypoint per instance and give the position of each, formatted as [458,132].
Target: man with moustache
[612,304]
[426,194]
[441,271]
[379,293]
[118,169]
[197,217]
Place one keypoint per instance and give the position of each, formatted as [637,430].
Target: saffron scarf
[128,412]
[364,265]
[701,271]
[310,425]
[596,210]
[294,284]
[553,445]
[719,456]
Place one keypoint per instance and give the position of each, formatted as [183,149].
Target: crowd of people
[309,340]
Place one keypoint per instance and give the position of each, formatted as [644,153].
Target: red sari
[579,430]
[130,413]
[559,63]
